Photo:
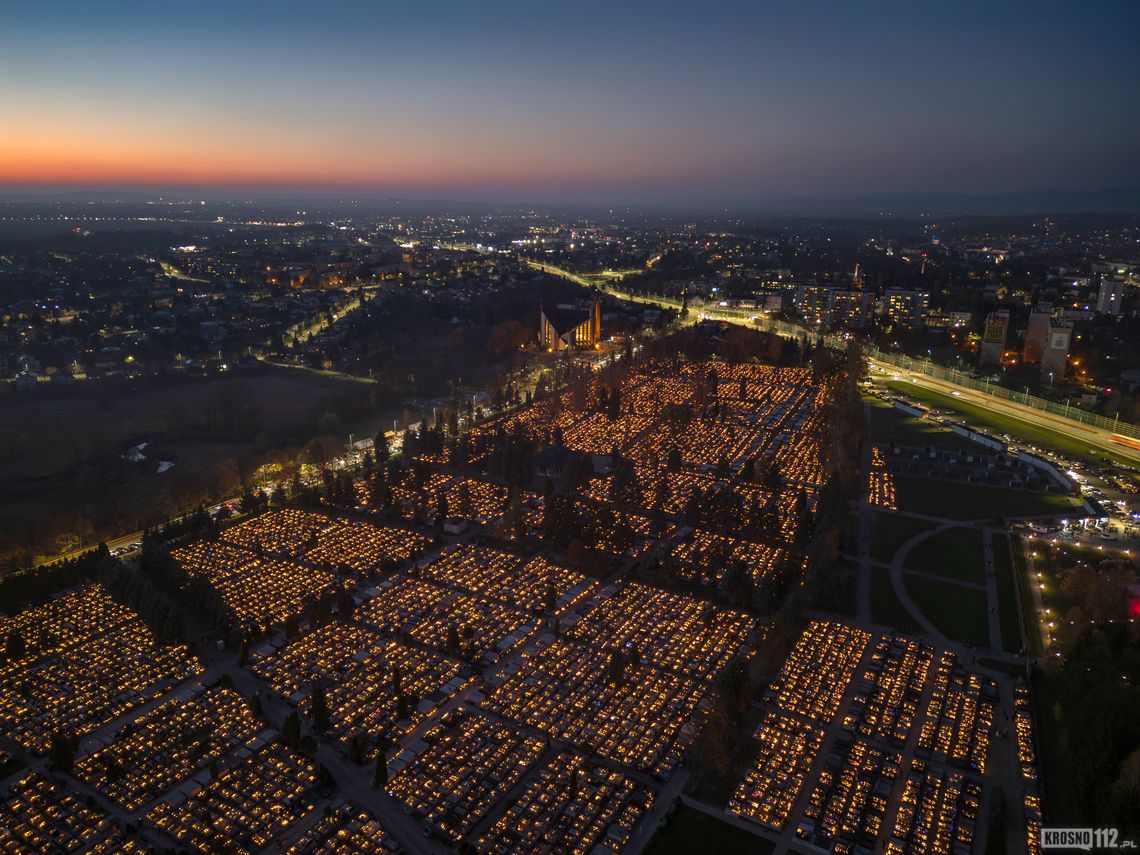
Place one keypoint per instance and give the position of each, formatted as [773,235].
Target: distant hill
[909,204]
[1117,200]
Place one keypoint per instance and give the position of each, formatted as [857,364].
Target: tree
[15,648]
[513,519]
[291,730]
[615,670]
[613,409]
[380,444]
[345,603]
[357,745]
[1126,791]
[805,522]
[691,515]
[319,708]
[773,479]
[748,470]
[62,751]
[733,686]
[723,468]
[380,778]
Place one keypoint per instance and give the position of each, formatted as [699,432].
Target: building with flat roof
[1055,359]
[1037,334]
[1110,298]
[906,308]
[851,308]
[813,302]
[993,338]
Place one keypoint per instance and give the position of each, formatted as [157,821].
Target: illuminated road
[1097,438]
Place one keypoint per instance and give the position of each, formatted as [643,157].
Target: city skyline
[642,105]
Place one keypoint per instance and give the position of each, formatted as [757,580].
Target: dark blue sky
[604,102]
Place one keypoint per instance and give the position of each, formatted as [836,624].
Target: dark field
[63,466]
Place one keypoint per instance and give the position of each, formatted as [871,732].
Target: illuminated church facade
[565,328]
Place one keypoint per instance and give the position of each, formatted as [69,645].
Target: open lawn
[1057,765]
[690,830]
[1024,432]
[1008,609]
[57,427]
[955,553]
[958,612]
[891,425]
[69,474]
[890,531]
[972,501]
[885,605]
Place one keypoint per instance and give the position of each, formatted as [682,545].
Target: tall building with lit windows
[851,308]
[1110,297]
[993,338]
[813,302]
[906,308]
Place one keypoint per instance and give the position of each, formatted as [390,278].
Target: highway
[1098,439]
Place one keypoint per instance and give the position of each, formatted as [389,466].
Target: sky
[616,102]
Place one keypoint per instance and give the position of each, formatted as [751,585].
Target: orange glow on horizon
[66,159]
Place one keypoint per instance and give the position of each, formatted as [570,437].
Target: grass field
[971,501]
[690,831]
[1007,596]
[885,605]
[60,426]
[890,531]
[955,553]
[890,425]
[70,462]
[1025,432]
[958,612]
[1057,766]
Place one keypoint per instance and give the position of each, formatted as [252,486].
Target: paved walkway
[649,824]
[898,584]
[863,575]
[1031,579]
[1003,776]
[992,613]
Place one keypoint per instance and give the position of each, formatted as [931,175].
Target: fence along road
[1094,429]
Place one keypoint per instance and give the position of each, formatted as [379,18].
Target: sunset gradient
[649,101]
